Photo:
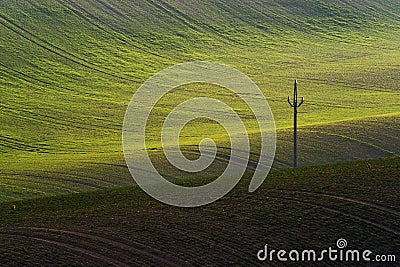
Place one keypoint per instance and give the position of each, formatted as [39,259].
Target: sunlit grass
[68,74]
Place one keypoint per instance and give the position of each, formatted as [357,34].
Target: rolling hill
[69,69]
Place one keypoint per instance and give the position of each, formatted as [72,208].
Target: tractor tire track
[51,120]
[356,85]
[189,21]
[15,144]
[58,187]
[54,49]
[351,200]
[318,205]
[98,258]
[193,236]
[251,163]
[52,178]
[109,6]
[326,207]
[372,10]
[285,20]
[130,246]
[86,180]
[102,26]
[392,153]
[357,140]
[166,9]
[63,90]
[77,261]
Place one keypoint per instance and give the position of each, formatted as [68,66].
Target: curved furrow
[366,133]
[225,157]
[85,177]
[392,153]
[15,144]
[325,153]
[297,25]
[372,7]
[310,29]
[353,85]
[166,8]
[56,50]
[109,6]
[112,253]
[23,190]
[65,180]
[225,227]
[18,111]
[58,187]
[79,251]
[252,164]
[87,181]
[325,207]
[235,246]
[189,20]
[267,14]
[77,9]
[15,255]
[56,88]
[365,203]
[347,214]
[209,28]
[226,9]
[198,235]
[159,257]
[16,252]
[169,177]
[338,15]
[51,120]
[251,216]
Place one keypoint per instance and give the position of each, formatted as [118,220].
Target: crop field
[69,68]
[305,208]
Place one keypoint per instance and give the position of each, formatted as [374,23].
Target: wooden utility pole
[295,105]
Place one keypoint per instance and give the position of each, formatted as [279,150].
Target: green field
[69,68]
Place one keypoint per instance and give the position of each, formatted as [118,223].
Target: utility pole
[295,105]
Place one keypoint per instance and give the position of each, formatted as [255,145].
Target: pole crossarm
[295,98]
